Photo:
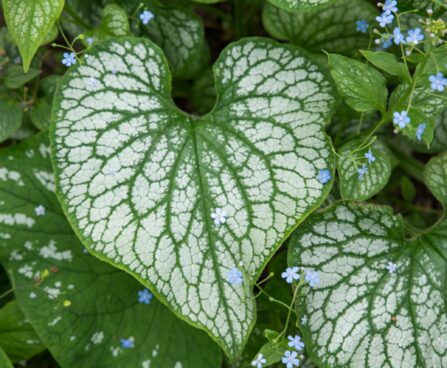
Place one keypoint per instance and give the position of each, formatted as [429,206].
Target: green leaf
[30,22]
[388,63]
[10,118]
[360,311]
[79,306]
[203,93]
[17,336]
[361,187]
[439,142]
[407,189]
[180,34]
[273,351]
[332,28]
[257,156]
[114,24]
[40,114]
[300,5]
[362,87]
[16,78]
[4,360]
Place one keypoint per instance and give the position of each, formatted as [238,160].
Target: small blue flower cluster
[292,274]
[364,168]
[401,120]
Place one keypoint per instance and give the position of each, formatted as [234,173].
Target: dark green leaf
[15,76]
[388,63]
[10,118]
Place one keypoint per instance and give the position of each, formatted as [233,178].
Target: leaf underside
[140,179]
[79,306]
[361,314]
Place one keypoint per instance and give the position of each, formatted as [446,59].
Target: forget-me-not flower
[290,274]
[312,278]
[40,210]
[415,36]
[69,59]
[259,361]
[420,131]
[127,343]
[146,16]
[290,360]
[385,19]
[392,267]
[390,6]
[370,156]
[324,176]
[295,342]
[145,296]
[387,42]
[234,276]
[437,82]
[90,40]
[219,216]
[398,36]
[401,119]
[362,25]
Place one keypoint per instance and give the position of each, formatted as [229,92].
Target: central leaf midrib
[206,218]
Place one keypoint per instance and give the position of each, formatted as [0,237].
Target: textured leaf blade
[79,306]
[299,5]
[17,336]
[185,257]
[387,62]
[331,28]
[30,22]
[361,311]
[361,187]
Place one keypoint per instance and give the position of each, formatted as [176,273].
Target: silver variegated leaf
[180,201]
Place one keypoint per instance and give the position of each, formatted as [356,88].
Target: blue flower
[146,17]
[362,171]
[398,36]
[385,19]
[369,155]
[420,131]
[415,36]
[127,343]
[438,82]
[90,40]
[362,25]
[387,42]
[290,360]
[392,267]
[312,278]
[390,6]
[324,176]
[69,59]
[401,119]
[259,361]
[295,342]
[145,296]
[290,274]
[234,276]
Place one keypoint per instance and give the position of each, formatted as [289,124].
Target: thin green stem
[271,298]
[295,294]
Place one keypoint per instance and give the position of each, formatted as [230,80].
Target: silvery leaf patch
[300,5]
[381,297]
[86,312]
[193,207]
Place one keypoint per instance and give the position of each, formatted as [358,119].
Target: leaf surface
[30,22]
[10,118]
[362,314]
[300,5]
[81,307]
[142,182]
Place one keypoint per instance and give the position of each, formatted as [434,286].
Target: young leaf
[10,118]
[362,177]
[86,312]
[17,336]
[362,87]
[181,35]
[388,63]
[381,296]
[181,202]
[16,78]
[30,22]
[300,5]
[331,28]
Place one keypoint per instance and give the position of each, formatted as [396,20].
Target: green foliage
[10,118]
[388,63]
[362,87]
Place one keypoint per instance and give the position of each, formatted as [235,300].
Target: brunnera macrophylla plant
[179,190]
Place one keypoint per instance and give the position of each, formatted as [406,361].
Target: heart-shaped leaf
[86,312]
[30,22]
[332,28]
[193,207]
[363,172]
[381,297]
[299,5]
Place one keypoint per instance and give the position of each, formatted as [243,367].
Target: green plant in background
[178,189]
